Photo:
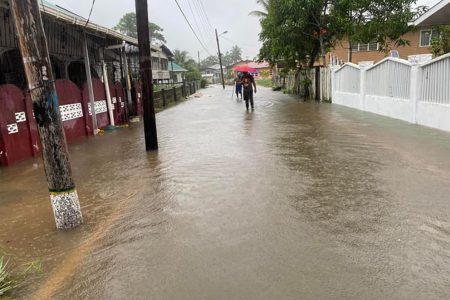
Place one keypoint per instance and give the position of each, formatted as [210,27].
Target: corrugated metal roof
[71,17]
[176,67]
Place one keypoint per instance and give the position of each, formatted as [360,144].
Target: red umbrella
[244,68]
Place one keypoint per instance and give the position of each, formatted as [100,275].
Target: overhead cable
[190,26]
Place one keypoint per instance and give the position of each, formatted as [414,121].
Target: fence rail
[390,78]
[435,81]
[415,93]
[348,79]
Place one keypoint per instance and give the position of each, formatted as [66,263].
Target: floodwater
[292,201]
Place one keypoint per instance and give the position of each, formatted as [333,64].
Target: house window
[364,47]
[374,47]
[426,36]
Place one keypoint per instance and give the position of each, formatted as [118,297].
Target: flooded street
[292,201]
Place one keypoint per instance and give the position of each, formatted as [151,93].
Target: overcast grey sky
[230,15]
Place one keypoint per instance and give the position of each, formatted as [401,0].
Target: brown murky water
[293,201]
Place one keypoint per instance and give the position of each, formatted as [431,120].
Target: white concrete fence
[396,88]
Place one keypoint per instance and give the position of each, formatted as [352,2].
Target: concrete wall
[413,93]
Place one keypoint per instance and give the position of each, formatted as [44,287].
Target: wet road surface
[292,201]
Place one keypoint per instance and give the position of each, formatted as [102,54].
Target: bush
[203,83]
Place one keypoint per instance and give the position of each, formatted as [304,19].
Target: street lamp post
[220,58]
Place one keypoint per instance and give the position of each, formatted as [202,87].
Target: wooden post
[174,94]
[145,59]
[163,95]
[38,70]
[107,90]
[87,66]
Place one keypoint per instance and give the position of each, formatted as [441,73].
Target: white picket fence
[396,88]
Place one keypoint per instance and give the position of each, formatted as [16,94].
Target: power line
[190,26]
[203,20]
[195,20]
[90,12]
[206,15]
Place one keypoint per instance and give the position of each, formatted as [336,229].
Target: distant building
[213,73]
[263,68]
[177,72]
[420,42]
[161,57]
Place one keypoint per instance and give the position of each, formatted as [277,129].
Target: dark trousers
[248,97]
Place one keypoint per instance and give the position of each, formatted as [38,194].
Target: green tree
[300,31]
[261,13]
[440,45]
[127,26]
[209,61]
[233,56]
[381,21]
[182,58]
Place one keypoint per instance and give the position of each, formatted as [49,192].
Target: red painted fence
[18,130]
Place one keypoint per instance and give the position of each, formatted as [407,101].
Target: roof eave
[92,26]
[422,20]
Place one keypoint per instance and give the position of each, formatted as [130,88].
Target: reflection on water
[293,200]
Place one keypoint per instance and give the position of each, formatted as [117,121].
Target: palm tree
[181,57]
[261,13]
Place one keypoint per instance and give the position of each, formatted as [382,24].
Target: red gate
[101,108]
[16,141]
[71,109]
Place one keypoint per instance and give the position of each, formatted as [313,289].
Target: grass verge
[264,82]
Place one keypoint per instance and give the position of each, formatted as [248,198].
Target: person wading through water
[238,85]
[249,83]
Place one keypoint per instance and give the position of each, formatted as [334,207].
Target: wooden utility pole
[38,70]
[145,62]
[220,60]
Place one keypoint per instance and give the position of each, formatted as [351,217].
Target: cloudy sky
[225,15]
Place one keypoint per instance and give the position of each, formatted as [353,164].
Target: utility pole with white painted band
[39,73]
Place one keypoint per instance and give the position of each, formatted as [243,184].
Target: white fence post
[415,91]
[362,88]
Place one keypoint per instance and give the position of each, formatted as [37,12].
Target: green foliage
[298,32]
[441,45]
[209,61]
[261,13]
[233,56]
[265,73]
[264,82]
[203,83]
[183,59]
[127,26]
[382,21]
[229,58]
